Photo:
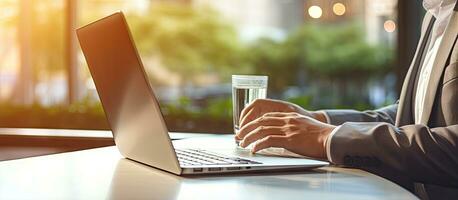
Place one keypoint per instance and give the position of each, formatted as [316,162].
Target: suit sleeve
[427,155]
[386,114]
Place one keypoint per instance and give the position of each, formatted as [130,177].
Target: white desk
[103,174]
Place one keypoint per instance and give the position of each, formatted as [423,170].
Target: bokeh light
[339,9]
[389,26]
[315,12]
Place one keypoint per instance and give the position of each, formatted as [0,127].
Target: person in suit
[414,140]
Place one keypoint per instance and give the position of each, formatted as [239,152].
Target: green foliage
[182,107]
[78,116]
[271,58]
[332,61]
[215,116]
[319,52]
[219,108]
[336,51]
[190,41]
[302,101]
[193,41]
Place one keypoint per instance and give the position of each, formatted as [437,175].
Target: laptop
[134,115]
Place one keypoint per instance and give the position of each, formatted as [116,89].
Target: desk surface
[103,174]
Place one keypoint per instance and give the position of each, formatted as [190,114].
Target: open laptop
[134,115]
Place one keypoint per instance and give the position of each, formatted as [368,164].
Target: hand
[260,107]
[295,132]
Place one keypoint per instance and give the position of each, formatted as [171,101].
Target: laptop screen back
[128,100]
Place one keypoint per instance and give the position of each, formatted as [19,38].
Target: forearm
[337,117]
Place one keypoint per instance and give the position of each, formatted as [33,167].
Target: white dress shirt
[442,11]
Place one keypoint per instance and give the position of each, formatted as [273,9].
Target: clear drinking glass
[246,89]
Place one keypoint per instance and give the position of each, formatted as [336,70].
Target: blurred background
[317,53]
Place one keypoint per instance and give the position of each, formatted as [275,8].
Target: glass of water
[246,89]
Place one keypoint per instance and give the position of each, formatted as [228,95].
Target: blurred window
[317,53]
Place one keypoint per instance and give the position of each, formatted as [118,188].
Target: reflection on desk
[103,174]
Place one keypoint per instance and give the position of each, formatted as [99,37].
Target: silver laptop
[134,115]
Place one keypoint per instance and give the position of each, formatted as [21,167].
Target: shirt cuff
[328,143]
[326,116]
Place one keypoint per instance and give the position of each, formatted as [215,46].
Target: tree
[332,59]
[41,46]
[338,51]
[270,57]
[340,55]
[189,41]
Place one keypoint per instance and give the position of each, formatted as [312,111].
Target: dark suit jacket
[389,143]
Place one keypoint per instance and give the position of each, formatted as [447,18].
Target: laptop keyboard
[195,157]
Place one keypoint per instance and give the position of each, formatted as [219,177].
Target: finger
[252,116]
[249,113]
[248,117]
[259,133]
[269,141]
[249,108]
[256,109]
[280,114]
[262,121]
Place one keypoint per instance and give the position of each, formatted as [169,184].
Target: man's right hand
[259,107]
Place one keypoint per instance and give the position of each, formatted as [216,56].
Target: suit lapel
[404,114]
[439,65]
